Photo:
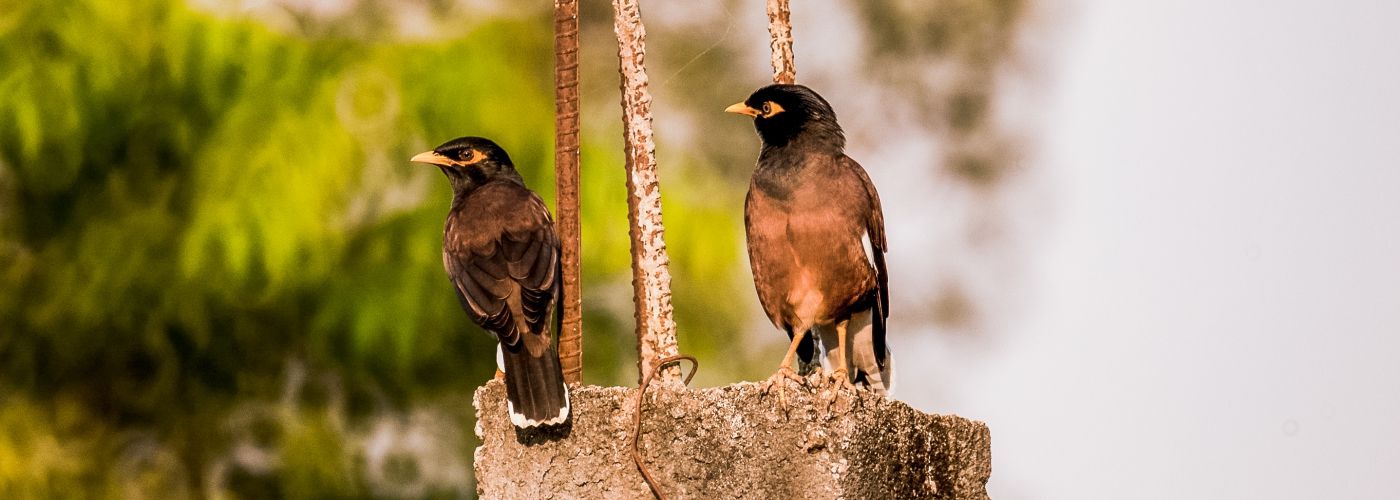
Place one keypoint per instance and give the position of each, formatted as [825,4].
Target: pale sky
[1214,310]
[1201,294]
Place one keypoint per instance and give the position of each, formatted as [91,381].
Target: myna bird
[502,255]
[816,238]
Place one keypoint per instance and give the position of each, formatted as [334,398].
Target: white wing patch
[869,248]
[500,358]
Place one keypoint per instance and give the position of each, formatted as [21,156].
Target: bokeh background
[1153,245]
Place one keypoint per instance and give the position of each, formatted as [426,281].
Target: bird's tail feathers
[535,391]
[887,372]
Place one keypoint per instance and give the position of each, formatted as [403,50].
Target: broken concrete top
[733,442]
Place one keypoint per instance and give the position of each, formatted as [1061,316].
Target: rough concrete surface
[733,442]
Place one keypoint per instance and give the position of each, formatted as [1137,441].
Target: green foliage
[219,274]
[191,206]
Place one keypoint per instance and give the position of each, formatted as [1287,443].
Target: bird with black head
[502,257]
[816,240]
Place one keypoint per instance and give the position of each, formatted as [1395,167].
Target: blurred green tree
[195,207]
[219,274]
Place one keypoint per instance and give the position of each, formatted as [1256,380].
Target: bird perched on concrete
[816,238]
[502,256]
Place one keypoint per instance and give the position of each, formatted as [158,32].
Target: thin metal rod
[566,178]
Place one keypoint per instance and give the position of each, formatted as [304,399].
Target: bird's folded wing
[875,228]
[510,276]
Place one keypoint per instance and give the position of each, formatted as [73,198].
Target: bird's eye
[771,108]
[472,156]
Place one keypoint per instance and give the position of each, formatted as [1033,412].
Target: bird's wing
[875,229]
[502,255]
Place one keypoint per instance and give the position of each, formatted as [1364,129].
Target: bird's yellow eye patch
[474,156]
[771,108]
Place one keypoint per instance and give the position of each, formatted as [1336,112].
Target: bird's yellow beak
[431,157]
[742,109]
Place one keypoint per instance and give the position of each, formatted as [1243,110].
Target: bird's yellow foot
[842,380]
[840,386]
[500,375]
[780,379]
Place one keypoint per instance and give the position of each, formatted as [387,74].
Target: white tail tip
[521,421]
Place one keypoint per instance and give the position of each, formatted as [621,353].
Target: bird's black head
[785,114]
[470,162]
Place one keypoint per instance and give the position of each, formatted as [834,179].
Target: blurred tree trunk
[780,31]
[566,171]
[651,275]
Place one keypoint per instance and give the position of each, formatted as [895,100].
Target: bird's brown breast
[805,248]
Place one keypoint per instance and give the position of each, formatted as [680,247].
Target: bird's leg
[500,375]
[841,373]
[785,371]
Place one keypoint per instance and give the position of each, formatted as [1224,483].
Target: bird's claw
[840,386]
[779,379]
[842,380]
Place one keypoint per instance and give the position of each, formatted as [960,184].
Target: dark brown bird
[502,255]
[816,238]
